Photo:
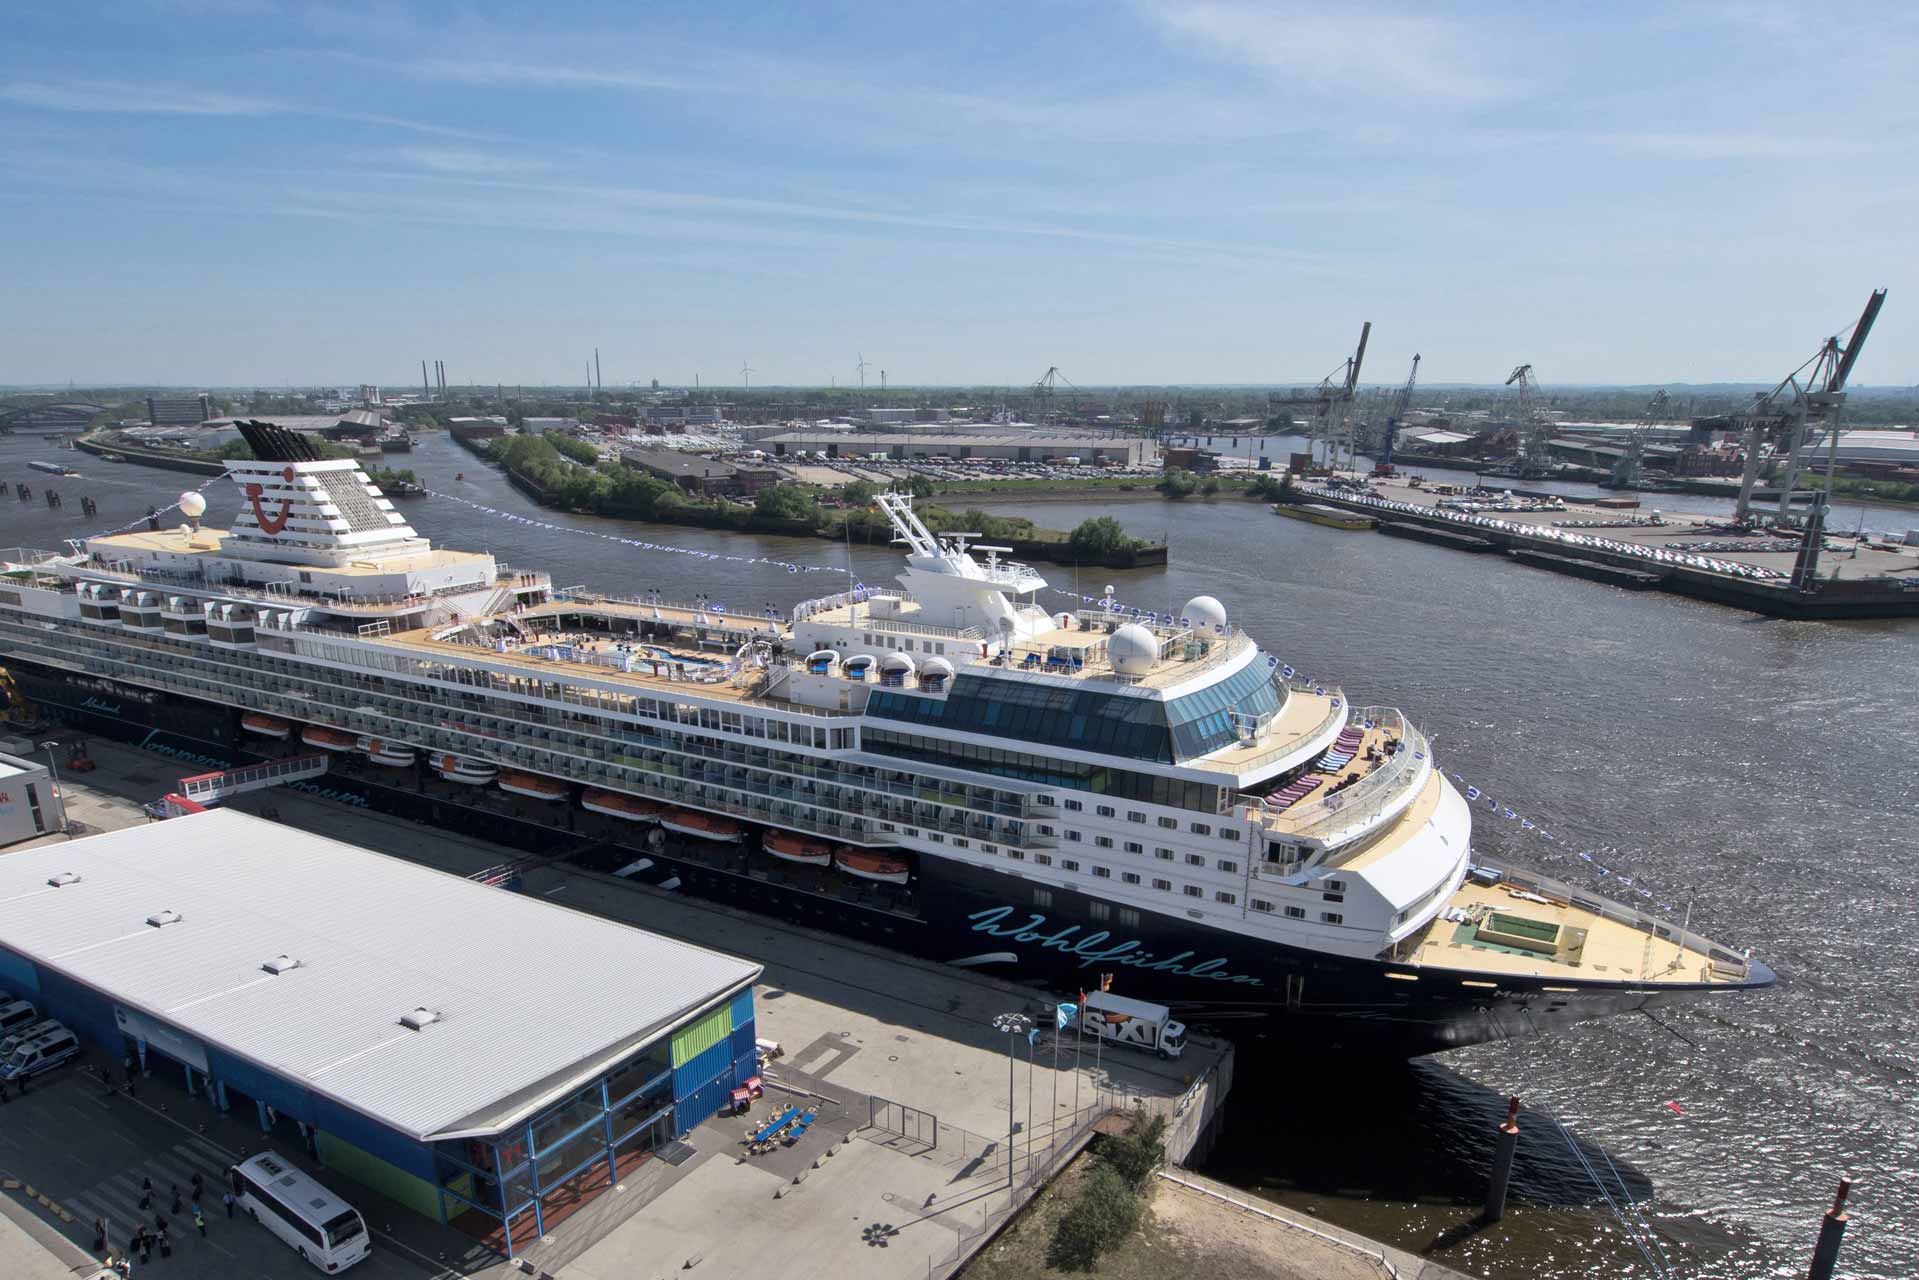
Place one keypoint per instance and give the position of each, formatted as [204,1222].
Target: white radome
[1204,612]
[1133,650]
[192,505]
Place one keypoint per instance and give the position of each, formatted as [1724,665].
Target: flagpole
[1079,1039]
[1055,1124]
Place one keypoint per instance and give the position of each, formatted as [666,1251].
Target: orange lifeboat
[328,739]
[617,804]
[788,847]
[873,866]
[532,786]
[265,726]
[702,826]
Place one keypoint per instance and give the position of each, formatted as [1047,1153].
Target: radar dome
[192,506]
[1133,650]
[1204,612]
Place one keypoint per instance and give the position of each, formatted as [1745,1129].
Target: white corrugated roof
[533,998]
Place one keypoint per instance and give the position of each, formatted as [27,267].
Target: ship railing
[903,627]
[1161,625]
[711,612]
[26,557]
[859,595]
[1361,804]
[1723,962]
[1335,711]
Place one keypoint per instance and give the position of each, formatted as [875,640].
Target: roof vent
[64,878]
[419,1019]
[280,964]
[161,919]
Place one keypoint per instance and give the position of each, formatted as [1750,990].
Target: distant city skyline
[242,193]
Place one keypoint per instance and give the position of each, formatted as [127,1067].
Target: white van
[324,1229]
[26,1031]
[42,1053]
[16,1014]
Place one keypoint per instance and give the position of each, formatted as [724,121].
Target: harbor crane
[1044,389]
[1814,394]
[1536,431]
[1401,400]
[1625,472]
[1331,401]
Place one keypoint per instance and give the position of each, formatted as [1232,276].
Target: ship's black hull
[1055,938]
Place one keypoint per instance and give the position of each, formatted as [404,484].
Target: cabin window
[1164,886]
[1332,917]
[1103,873]
[1104,842]
[1106,811]
[1044,859]
[1042,897]
[1260,904]
[1069,865]
[1133,846]
[1194,891]
[1134,815]
[1163,854]
[1129,916]
[1227,865]
[1099,911]
[1195,860]
[1295,913]
[1228,898]
[1202,829]
[1129,877]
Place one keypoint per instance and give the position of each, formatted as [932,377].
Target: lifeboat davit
[702,826]
[873,866]
[265,726]
[394,755]
[532,786]
[788,847]
[617,804]
[469,772]
[319,735]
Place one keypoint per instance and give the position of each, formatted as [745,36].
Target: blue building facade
[566,1152]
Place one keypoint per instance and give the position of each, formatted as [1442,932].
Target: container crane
[1401,399]
[1535,439]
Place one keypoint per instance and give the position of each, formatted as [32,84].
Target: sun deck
[1516,928]
[656,668]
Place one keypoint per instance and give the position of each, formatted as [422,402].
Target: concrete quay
[1855,580]
[906,1171]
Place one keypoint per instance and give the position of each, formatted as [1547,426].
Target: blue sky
[243,191]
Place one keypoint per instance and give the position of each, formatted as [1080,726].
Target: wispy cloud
[113,96]
[466,161]
[1345,50]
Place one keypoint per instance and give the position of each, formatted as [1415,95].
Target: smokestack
[426,388]
[597,384]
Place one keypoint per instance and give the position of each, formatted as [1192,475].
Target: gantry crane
[1535,430]
[1814,393]
[1401,399]
[1625,472]
[1331,401]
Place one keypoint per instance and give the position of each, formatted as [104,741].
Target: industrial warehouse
[476,1054]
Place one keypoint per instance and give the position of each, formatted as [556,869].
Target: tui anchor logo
[270,525]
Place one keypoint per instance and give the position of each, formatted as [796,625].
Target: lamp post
[1013,1024]
[60,799]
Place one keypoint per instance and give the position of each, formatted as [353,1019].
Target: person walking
[200,1221]
[226,1198]
[166,1242]
[146,1194]
[99,1235]
[146,1245]
[199,1186]
[176,1197]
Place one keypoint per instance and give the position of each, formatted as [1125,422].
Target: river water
[1761,771]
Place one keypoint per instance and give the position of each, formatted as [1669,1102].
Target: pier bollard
[1825,1254]
[1503,1148]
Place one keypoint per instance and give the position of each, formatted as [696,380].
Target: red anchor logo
[273,525]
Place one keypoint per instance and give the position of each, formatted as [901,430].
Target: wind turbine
[746,374]
[861,366]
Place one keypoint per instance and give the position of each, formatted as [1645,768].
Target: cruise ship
[946,768]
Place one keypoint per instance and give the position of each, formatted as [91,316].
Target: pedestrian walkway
[117,1200]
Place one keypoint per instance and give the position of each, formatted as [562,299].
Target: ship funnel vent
[63,878]
[280,964]
[419,1019]
[161,919]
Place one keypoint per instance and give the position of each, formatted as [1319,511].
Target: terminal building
[1010,446]
[482,1057]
